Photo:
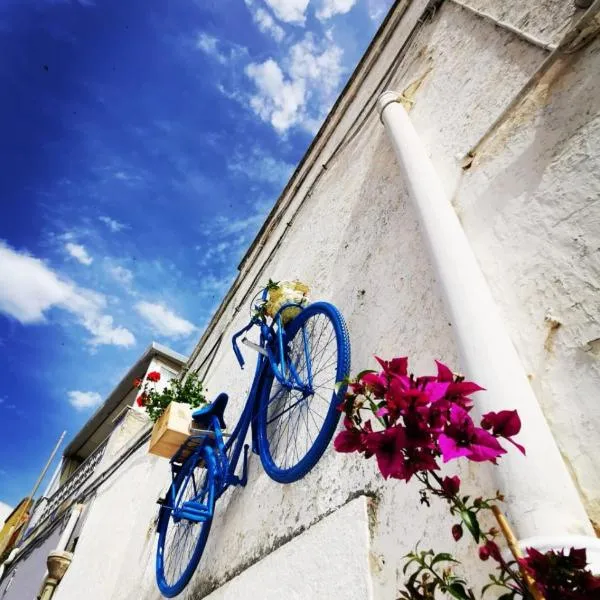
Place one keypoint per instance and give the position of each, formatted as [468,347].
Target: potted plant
[170,408]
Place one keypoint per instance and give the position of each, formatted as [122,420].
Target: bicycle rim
[294,429]
[181,544]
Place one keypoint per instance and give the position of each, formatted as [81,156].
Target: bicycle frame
[271,355]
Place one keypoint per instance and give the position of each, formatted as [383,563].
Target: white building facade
[505,101]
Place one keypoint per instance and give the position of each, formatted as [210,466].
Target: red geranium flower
[141,399]
[154,376]
[137,382]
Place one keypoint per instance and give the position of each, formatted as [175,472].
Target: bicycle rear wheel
[181,541]
[294,428]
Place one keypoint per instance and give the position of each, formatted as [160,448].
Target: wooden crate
[171,430]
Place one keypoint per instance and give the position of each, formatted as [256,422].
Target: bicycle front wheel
[181,541]
[294,427]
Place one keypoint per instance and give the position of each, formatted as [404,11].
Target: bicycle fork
[192,510]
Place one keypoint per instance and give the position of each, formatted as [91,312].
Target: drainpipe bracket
[386,98]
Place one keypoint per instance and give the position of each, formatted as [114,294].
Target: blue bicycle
[292,412]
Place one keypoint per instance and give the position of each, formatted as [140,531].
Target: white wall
[529,207]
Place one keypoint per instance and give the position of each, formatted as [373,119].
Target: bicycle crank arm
[254,346]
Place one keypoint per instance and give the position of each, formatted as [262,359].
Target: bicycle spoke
[285,410]
[294,420]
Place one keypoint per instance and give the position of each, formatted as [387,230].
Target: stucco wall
[529,206]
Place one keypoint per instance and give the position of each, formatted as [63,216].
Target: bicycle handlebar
[236,348]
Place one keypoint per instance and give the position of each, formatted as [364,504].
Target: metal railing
[71,486]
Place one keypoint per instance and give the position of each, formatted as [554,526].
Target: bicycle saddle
[203,416]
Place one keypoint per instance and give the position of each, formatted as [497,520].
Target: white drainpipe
[66,535]
[71,524]
[542,501]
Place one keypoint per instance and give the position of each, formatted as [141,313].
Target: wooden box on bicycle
[171,430]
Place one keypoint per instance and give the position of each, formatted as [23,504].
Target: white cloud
[207,43]
[113,225]
[330,8]
[83,400]
[120,274]
[265,22]
[228,226]
[221,50]
[78,252]
[257,165]
[378,8]
[29,288]
[289,11]
[164,320]
[128,177]
[105,333]
[302,96]
[236,233]
[322,66]
[279,100]
[5,510]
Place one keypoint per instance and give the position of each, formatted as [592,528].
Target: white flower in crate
[286,292]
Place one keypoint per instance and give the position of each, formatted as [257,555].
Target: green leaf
[364,373]
[408,563]
[444,557]
[470,520]
[457,590]
[486,587]
[410,584]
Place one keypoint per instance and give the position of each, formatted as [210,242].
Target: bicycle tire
[313,321]
[171,580]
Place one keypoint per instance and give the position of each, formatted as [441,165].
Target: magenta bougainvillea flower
[350,440]
[450,486]
[505,424]
[396,366]
[387,447]
[561,576]
[462,438]
[457,531]
[416,421]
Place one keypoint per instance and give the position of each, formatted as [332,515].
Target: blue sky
[142,144]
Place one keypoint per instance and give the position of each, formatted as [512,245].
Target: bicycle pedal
[161,501]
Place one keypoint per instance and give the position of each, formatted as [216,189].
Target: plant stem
[454,499]
[511,540]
